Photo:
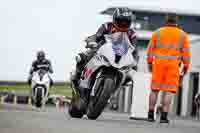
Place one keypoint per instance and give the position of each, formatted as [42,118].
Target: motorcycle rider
[122,18]
[40,63]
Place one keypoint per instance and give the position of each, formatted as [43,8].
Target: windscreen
[120,43]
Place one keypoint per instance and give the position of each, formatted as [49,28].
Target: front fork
[124,83]
[44,95]
[95,83]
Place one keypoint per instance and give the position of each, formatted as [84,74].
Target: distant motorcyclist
[40,63]
[122,18]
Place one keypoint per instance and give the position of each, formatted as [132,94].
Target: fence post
[121,100]
[128,97]
[29,101]
[2,99]
[15,99]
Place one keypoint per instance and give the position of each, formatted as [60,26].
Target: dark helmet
[40,55]
[171,18]
[122,18]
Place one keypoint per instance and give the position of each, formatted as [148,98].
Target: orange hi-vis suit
[168,47]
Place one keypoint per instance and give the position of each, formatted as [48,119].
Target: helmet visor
[123,22]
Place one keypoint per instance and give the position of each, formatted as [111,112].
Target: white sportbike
[40,84]
[107,71]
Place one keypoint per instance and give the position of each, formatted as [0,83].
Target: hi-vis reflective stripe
[163,56]
[181,40]
[185,50]
[186,59]
[164,86]
[173,46]
[158,39]
[151,46]
[168,46]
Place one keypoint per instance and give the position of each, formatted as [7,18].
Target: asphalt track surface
[24,119]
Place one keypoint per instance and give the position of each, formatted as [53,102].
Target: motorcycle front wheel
[38,102]
[100,100]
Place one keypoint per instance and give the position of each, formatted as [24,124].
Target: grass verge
[57,89]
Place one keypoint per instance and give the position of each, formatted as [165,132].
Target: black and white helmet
[40,55]
[122,17]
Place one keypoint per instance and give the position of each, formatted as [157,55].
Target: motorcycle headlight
[46,82]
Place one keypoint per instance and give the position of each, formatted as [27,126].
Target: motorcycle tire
[99,102]
[38,102]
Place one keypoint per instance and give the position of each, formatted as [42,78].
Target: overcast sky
[58,27]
